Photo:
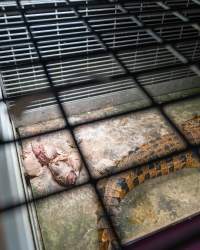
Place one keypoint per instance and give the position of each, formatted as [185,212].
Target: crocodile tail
[106,238]
[114,191]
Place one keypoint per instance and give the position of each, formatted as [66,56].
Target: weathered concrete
[106,143]
[68,220]
[158,203]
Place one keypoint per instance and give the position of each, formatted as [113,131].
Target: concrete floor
[158,203]
[68,220]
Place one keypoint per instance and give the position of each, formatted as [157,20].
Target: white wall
[15,223]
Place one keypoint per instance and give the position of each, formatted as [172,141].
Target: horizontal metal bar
[98,4]
[100,52]
[40,21]
[112,78]
[12,206]
[100,32]
[105,118]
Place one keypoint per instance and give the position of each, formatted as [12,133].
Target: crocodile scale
[116,188]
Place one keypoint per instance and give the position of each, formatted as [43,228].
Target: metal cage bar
[105,50]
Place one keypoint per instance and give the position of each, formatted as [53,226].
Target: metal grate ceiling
[73,53]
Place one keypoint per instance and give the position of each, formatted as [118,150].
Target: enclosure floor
[68,220]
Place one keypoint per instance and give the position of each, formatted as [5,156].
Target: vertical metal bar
[54,92]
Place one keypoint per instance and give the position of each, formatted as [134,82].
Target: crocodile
[116,188]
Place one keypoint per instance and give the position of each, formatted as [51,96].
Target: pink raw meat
[64,167]
[32,167]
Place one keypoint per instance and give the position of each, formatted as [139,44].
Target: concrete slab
[68,220]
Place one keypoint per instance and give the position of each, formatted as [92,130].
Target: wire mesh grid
[157,40]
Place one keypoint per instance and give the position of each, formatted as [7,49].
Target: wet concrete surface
[68,220]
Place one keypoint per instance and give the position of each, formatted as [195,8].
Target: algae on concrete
[68,220]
